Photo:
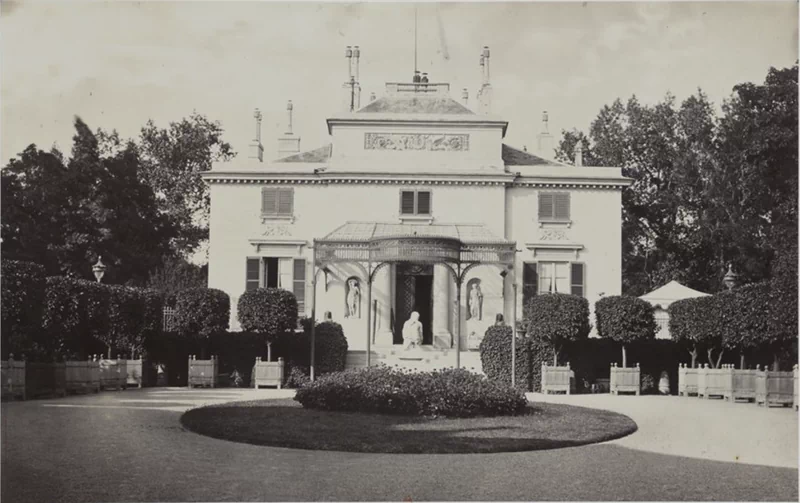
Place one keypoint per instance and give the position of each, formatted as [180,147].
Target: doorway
[414,292]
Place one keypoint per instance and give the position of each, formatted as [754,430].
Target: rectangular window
[553,206]
[277,201]
[553,277]
[251,276]
[299,284]
[415,202]
[529,282]
[577,279]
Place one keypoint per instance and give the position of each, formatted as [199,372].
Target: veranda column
[383,293]
[442,279]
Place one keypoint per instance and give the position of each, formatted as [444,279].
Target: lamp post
[326,271]
[503,274]
[99,270]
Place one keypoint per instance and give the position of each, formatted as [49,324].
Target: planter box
[712,382]
[135,373]
[113,374]
[45,379]
[687,380]
[202,372]
[741,384]
[13,378]
[82,376]
[557,379]
[267,373]
[775,388]
[625,380]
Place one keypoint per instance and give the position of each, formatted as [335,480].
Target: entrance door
[414,293]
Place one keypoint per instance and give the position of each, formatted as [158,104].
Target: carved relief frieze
[553,235]
[276,231]
[416,141]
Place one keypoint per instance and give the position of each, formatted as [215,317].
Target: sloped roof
[416,105]
[366,231]
[515,157]
[671,292]
[321,154]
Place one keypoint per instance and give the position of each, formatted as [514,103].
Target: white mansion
[415,205]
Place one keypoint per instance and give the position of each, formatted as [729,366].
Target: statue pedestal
[413,353]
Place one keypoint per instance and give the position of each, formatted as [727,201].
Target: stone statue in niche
[352,298]
[474,300]
[412,331]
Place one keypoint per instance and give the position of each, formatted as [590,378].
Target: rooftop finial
[257,115]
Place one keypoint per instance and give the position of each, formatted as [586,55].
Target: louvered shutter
[561,211]
[423,203]
[577,279]
[545,206]
[407,202]
[530,280]
[299,284]
[251,275]
[269,201]
[285,202]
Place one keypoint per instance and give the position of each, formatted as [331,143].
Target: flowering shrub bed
[447,393]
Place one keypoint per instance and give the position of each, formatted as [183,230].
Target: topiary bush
[269,312]
[698,325]
[440,393]
[126,311]
[23,298]
[625,320]
[200,312]
[64,331]
[495,350]
[557,319]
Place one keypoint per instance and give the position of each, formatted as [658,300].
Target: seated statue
[412,331]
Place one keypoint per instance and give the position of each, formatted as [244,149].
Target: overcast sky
[119,64]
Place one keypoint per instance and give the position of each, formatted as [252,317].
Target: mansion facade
[415,205]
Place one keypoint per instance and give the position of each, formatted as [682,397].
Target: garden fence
[775,388]
[13,378]
[687,380]
[113,373]
[82,376]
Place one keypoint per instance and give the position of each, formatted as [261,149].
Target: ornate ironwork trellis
[371,254]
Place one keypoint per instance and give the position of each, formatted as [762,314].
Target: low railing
[556,379]
[113,373]
[82,376]
[625,379]
[687,380]
[775,388]
[739,383]
[267,373]
[202,372]
[712,382]
[12,374]
[135,370]
[45,379]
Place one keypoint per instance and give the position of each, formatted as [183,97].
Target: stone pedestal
[442,283]
[382,291]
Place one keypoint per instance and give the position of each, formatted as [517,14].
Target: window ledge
[277,218]
[416,218]
[555,223]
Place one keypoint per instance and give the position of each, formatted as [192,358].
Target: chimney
[348,53]
[465,97]
[256,150]
[579,154]
[288,144]
[544,140]
[351,89]
[485,92]
[356,56]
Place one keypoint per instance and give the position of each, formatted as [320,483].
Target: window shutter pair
[251,275]
[299,284]
[277,201]
[577,279]
[554,206]
[530,280]
[415,202]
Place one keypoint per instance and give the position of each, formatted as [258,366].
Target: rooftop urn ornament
[731,279]
[99,269]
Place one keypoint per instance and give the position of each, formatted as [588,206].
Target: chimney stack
[485,92]
[465,97]
[256,149]
[348,53]
[288,144]
[356,57]
[351,89]
[544,140]
[579,154]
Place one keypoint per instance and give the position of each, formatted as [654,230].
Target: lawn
[285,423]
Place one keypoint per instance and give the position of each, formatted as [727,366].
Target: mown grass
[285,423]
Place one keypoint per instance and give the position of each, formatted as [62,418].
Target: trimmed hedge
[440,393]
[23,294]
[495,349]
[556,319]
[64,327]
[268,311]
[625,320]
[200,312]
[331,348]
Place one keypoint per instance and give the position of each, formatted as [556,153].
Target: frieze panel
[416,141]
[553,235]
[276,231]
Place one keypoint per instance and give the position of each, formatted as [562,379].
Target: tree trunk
[109,352]
[719,358]
[624,357]
[741,361]
[269,351]
[555,356]
[693,352]
[776,365]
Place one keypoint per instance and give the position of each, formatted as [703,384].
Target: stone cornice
[434,120]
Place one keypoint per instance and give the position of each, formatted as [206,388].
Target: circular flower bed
[439,393]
